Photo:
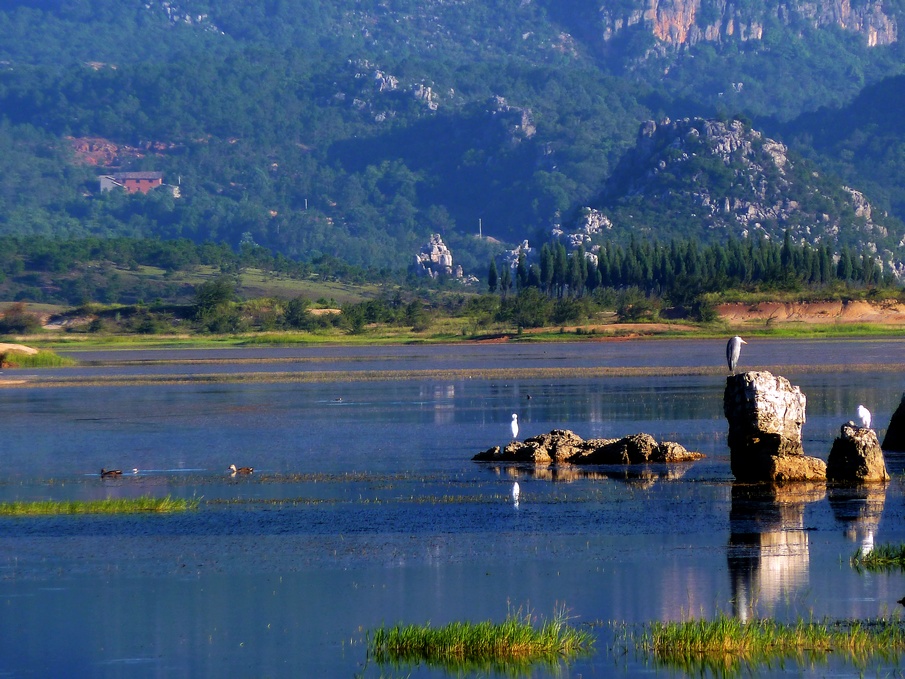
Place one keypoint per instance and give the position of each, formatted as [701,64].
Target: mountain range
[357,129]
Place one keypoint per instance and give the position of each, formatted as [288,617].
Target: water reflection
[643,476]
[859,510]
[768,553]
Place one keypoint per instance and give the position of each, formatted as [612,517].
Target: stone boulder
[856,457]
[558,446]
[895,433]
[765,414]
[564,446]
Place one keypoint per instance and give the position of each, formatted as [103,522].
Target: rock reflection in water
[768,551]
[859,510]
[641,475]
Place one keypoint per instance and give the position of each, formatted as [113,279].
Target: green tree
[492,277]
[214,294]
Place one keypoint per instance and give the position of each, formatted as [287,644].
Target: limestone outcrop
[895,433]
[435,259]
[856,457]
[564,446]
[680,23]
[765,414]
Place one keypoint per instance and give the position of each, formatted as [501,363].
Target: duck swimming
[111,472]
[240,470]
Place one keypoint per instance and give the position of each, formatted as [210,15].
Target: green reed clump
[725,641]
[881,557]
[161,505]
[458,644]
[42,359]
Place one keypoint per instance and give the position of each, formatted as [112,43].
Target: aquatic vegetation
[515,642]
[723,645]
[41,359]
[162,505]
[881,557]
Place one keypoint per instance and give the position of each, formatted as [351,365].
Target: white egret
[515,493]
[733,349]
[240,470]
[514,427]
[864,417]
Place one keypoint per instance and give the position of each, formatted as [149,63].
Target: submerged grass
[516,642]
[882,557]
[137,505]
[723,644]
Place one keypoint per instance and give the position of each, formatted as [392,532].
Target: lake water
[365,508]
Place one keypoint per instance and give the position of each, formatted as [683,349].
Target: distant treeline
[682,270]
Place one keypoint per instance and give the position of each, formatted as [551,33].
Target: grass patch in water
[42,359]
[161,505]
[514,643]
[882,557]
[722,645]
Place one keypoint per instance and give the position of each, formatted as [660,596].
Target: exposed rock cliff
[680,23]
[435,259]
[723,176]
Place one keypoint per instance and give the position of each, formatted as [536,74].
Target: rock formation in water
[856,457]
[564,446]
[895,434]
[765,414]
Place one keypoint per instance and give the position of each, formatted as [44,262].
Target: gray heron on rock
[733,349]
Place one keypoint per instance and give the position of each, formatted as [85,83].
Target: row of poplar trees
[682,268]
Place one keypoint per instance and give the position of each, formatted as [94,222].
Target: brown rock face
[688,22]
[856,457]
[895,434]
[564,446]
[765,415]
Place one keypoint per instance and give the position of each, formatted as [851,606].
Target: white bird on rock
[515,493]
[864,417]
[733,349]
[514,427]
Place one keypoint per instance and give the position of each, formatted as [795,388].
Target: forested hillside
[355,130]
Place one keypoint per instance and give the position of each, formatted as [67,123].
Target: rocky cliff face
[687,22]
[730,178]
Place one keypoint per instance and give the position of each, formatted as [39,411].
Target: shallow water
[365,508]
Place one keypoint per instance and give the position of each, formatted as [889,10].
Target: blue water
[368,510]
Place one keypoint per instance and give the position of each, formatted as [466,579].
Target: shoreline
[330,376]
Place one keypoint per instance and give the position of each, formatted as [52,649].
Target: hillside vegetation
[352,131]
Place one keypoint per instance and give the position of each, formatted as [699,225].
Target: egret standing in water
[514,426]
[733,349]
[864,417]
[515,493]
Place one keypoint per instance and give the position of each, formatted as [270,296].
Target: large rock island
[564,446]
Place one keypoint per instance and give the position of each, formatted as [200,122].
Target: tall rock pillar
[765,415]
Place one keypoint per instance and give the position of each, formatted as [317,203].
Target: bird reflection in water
[859,509]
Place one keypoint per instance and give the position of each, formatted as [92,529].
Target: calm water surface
[365,508]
